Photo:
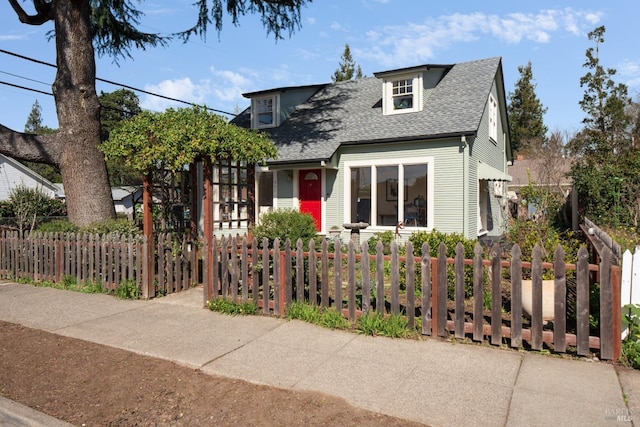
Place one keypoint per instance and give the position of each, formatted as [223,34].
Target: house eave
[447,135]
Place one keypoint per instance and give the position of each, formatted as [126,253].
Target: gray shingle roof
[351,113]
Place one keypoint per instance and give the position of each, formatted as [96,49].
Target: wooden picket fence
[108,260]
[274,277]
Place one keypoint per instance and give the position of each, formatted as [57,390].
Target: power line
[37,61]
[26,88]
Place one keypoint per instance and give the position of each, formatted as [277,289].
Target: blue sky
[382,34]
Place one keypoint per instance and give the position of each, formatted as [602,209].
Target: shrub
[631,345]
[27,204]
[128,289]
[57,226]
[384,237]
[450,240]
[528,233]
[286,224]
[118,226]
[221,305]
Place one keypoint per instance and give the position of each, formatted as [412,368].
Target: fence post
[560,301]
[440,298]
[478,327]
[606,303]
[516,297]
[616,309]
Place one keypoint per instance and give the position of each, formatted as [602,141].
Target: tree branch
[43,8]
[29,147]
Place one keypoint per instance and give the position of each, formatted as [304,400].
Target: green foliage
[528,233]
[321,316]
[526,113]
[608,164]
[302,311]
[347,69]
[176,137]
[393,326]
[450,240]
[57,226]
[385,237]
[631,345]
[69,283]
[285,224]
[370,323]
[118,226]
[128,289]
[34,125]
[224,306]
[27,204]
[6,211]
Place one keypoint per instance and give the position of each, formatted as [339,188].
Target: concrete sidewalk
[430,381]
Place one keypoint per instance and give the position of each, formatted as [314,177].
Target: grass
[126,290]
[374,324]
[223,306]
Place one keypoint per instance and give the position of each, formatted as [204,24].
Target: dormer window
[402,93]
[265,112]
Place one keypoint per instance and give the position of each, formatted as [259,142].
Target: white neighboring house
[125,198]
[13,174]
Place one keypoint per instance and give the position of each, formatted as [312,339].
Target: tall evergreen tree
[526,112]
[347,69]
[34,126]
[115,107]
[606,172]
[82,28]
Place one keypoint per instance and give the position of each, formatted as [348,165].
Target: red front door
[310,194]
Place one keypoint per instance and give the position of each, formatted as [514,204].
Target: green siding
[447,170]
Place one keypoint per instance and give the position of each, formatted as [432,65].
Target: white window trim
[387,93]
[493,119]
[276,112]
[400,162]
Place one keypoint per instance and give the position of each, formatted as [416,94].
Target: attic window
[402,94]
[265,112]
[493,119]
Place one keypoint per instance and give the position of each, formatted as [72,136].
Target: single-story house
[13,174]
[417,148]
[552,172]
[125,198]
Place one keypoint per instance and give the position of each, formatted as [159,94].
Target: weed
[370,323]
[128,289]
[224,306]
[631,345]
[331,318]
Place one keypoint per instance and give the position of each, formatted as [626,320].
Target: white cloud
[419,41]
[11,37]
[182,89]
[229,86]
[311,21]
[630,72]
[336,26]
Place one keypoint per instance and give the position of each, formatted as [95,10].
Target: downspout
[465,185]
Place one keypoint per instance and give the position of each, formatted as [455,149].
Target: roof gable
[350,112]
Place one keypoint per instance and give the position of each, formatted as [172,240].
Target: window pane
[415,211]
[265,190]
[264,109]
[402,102]
[361,195]
[387,195]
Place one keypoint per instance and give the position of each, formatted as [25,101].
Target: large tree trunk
[84,172]
[74,149]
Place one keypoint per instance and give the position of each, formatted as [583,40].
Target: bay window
[376,197]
